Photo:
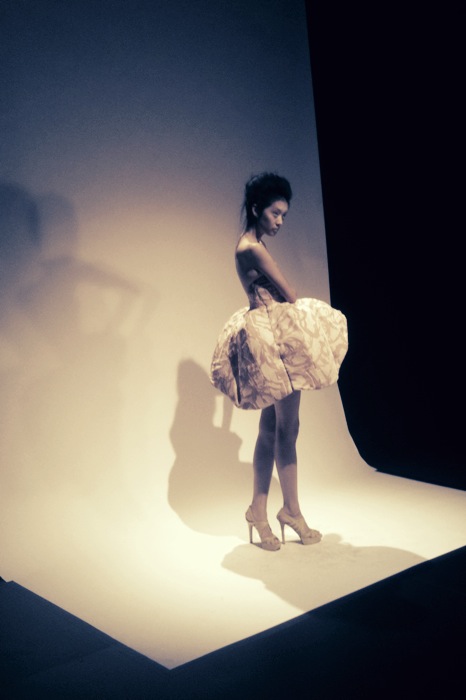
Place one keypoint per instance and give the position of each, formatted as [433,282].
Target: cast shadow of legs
[310,576]
[209,487]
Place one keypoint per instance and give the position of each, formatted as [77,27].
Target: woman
[267,353]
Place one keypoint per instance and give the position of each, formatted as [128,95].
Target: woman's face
[272,218]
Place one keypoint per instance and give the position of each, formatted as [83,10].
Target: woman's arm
[261,260]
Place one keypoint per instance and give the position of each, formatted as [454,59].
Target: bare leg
[286,434]
[287,428]
[263,463]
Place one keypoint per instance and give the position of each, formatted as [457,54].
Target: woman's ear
[254,210]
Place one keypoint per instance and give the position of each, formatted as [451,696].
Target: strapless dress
[274,347]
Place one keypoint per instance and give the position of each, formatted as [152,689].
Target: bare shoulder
[253,258]
[249,250]
[244,244]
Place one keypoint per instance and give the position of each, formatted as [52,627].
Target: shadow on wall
[209,487]
[63,355]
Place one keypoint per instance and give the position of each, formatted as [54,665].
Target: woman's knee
[267,425]
[267,434]
[287,431]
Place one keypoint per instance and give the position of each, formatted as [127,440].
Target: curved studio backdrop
[128,133]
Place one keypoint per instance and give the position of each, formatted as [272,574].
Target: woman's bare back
[245,261]
[253,260]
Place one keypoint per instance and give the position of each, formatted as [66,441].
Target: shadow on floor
[396,638]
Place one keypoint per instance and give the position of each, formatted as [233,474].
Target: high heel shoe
[299,525]
[268,539]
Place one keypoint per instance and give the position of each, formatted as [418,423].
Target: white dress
[274,347]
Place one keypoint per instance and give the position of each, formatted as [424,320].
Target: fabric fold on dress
[267,351]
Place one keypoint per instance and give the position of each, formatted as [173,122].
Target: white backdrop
[129,131]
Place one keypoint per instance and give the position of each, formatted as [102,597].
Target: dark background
[387,86]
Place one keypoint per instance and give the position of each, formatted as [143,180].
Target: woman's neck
[253,235]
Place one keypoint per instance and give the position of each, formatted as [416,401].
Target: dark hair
[260,191]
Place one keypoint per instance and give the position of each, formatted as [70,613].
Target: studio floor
[401,637]
[174,594]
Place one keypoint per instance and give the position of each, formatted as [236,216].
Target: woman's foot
[299,525]
[268,540]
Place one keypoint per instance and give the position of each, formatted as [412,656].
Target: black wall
[387,88]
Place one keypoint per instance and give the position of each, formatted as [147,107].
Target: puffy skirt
[264,354]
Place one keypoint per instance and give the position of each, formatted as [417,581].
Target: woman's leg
[286,434]
[263,463]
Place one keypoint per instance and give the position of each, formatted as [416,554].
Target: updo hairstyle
[261,190]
